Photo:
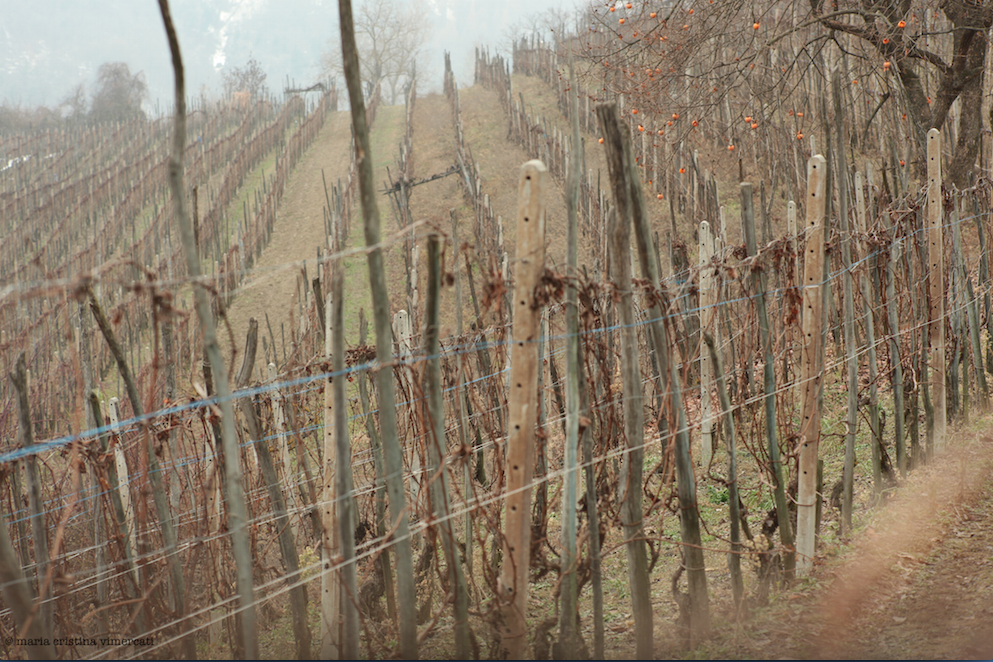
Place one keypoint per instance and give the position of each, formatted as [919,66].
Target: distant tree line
[118,96]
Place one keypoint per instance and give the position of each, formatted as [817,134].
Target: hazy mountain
[47,47]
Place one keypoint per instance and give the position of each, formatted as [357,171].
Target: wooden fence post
[811,368]
[344,504]
[330,585]
[286,471]
[39,530]
[123,484]
[629,210]
[768,380]
[707,308]
[437,449]
[514,575]
[936,280]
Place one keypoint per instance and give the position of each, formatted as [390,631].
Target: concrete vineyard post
[811,368]
[522,412]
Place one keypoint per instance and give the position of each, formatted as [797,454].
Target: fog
[47,47]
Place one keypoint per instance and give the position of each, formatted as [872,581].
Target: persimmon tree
[748,64]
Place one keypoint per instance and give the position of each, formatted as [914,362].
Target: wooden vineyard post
[629,210]
[522,410]
[869,325]
[286,536]
[392,453]
[936,280]
[768,381]
[347,577]
[896,380]
[123,489]
[39,529]
[20,599]
[811,368]
[330,586]
[708,301]
[568,614]
[734,512]
[437,476]
[237,505]
[285,464]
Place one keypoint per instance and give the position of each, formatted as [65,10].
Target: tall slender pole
[769,380]
[522,412]
[237,508]
[811,365]
[437,477]
[568,615]
[936,280]
[345,504]
[392,453]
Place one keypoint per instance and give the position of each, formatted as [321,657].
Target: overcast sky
[49,46]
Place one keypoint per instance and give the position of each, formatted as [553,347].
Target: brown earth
[915,582]
[271,288]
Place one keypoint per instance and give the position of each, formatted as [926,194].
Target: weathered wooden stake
[768,381]
[437,450]
[393,456]
[123,485]
[514,576]
[708,301]
[811,369]
[623,180]
[344,502]
[331,622]
[936,280]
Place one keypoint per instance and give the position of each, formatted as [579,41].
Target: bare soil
[297,234]
[914,583]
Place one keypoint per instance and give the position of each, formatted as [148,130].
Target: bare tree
[391,37]
[73,104]
[250,78]
[119,93]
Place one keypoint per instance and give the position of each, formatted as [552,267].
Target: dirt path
[298,233]
[916,583]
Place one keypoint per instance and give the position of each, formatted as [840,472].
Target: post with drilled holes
[707,303]
[522,410]
[811,367]
[330,585]
[936,280]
